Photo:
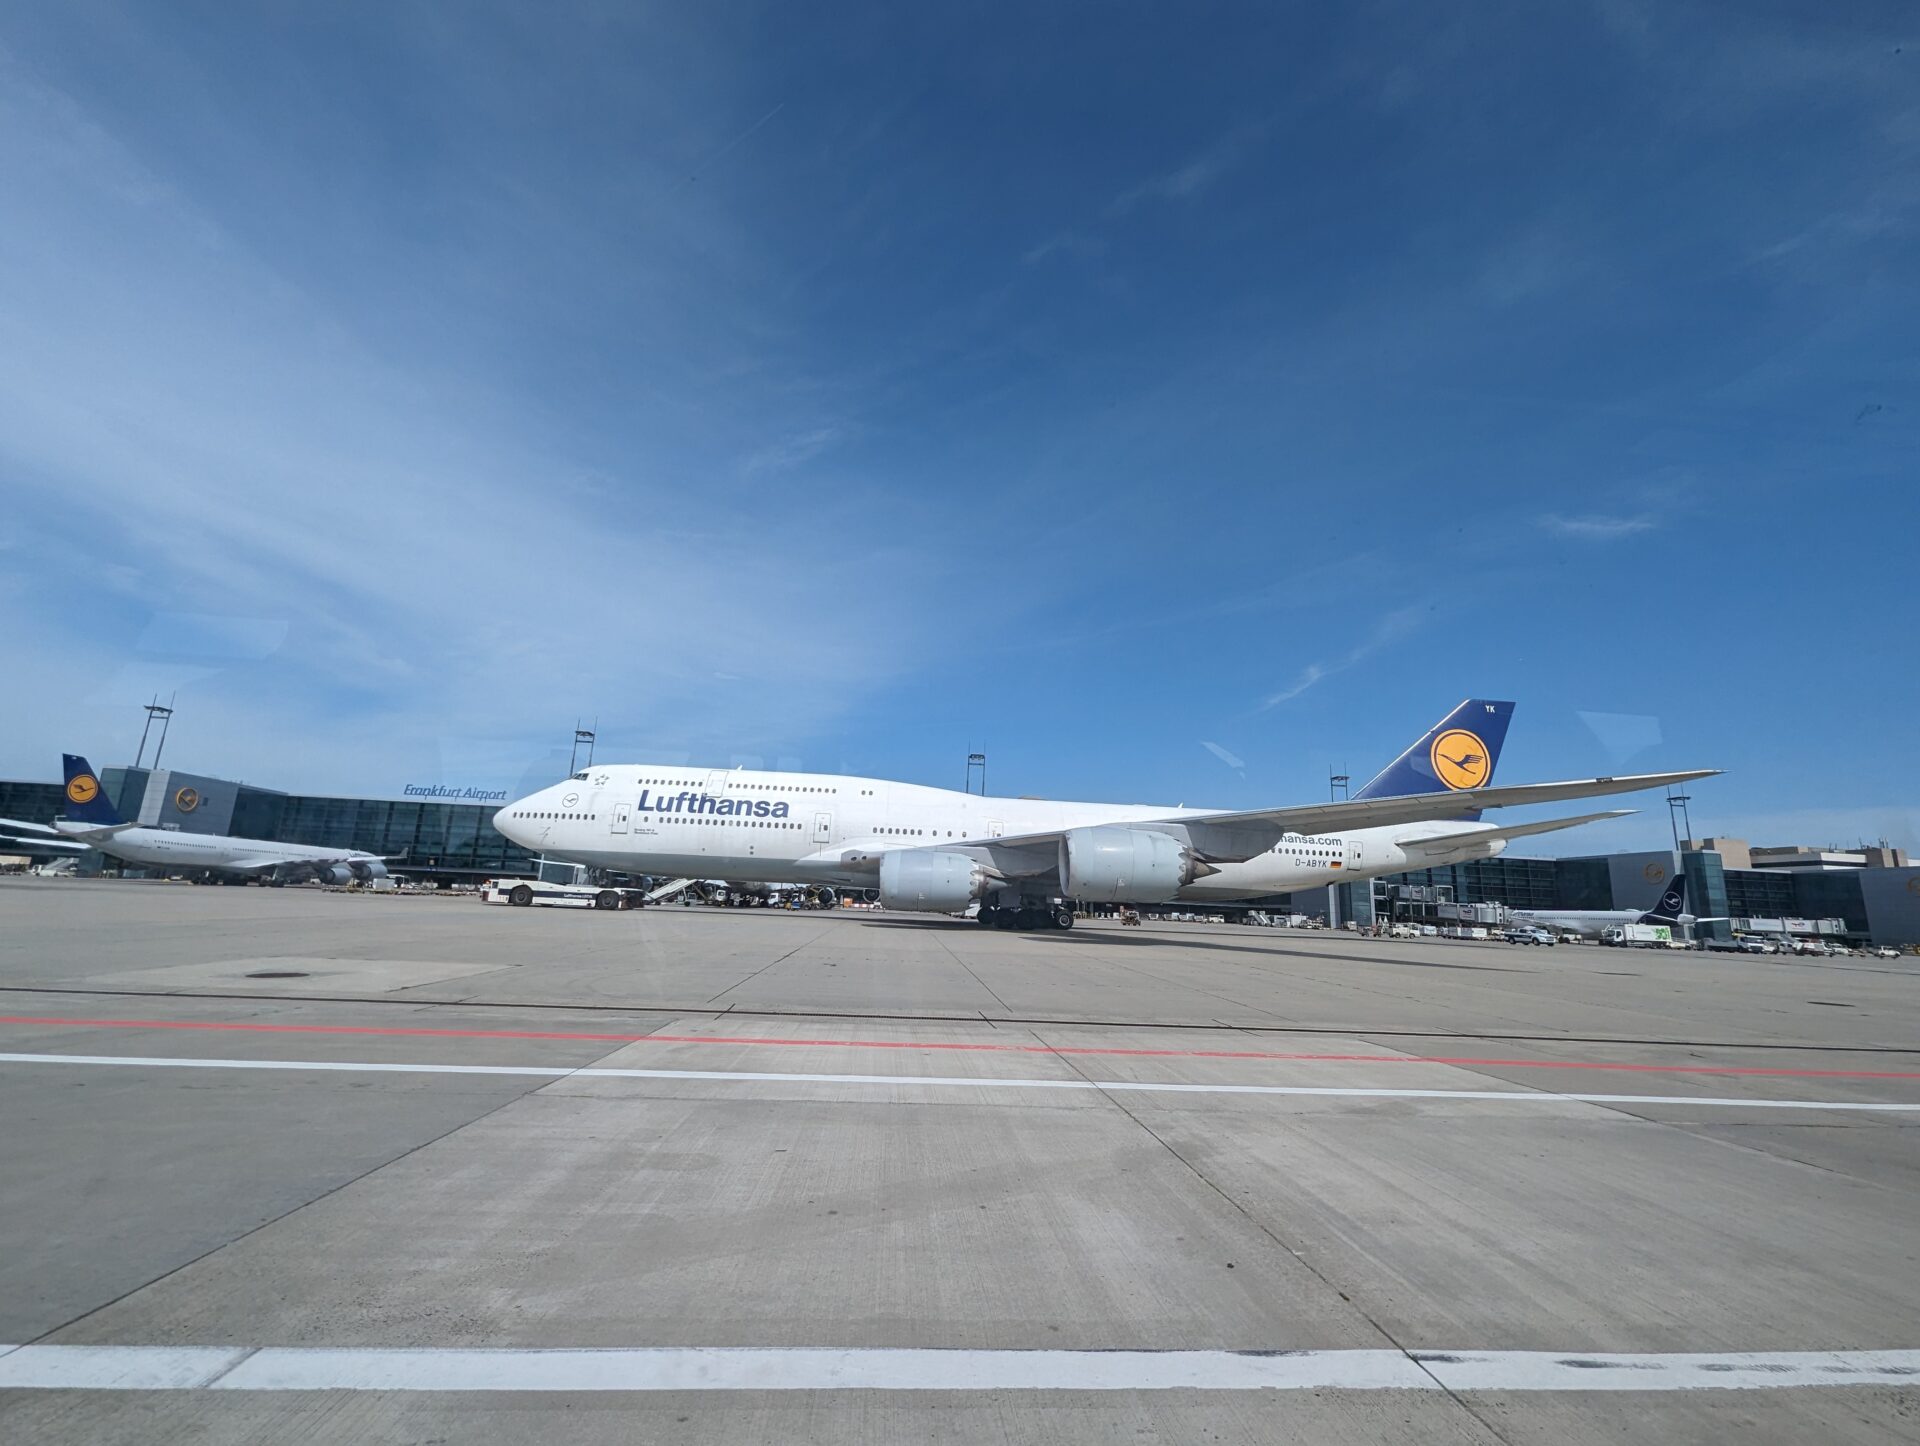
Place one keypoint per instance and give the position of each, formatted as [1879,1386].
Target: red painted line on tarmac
[242,1026]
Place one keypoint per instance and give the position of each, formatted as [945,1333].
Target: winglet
[86,796]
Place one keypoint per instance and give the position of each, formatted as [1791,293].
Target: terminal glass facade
[430,838]
[31,802]
[1518,883]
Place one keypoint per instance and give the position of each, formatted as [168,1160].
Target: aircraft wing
[44,831]
[47,841]
[1510,830]
[260,863]
[1268,825]
[1238,836]
[256,865]
[21,826]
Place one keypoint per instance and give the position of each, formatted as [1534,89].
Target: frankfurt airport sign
[458,795]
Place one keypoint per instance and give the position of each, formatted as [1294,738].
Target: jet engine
[337,874]
[933,883]
[367,869]
[1111,865]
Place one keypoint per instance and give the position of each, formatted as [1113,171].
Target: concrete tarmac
[861,1177]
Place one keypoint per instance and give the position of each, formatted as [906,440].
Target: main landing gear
[1027,918]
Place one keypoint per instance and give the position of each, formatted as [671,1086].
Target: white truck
[523,893]
[1639,936]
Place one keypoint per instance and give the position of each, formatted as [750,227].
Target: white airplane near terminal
[1592,923]
[91,823]
[937,851]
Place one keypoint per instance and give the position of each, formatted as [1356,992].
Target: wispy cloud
[1238,765]
[1387,631]
[315,519]
[790,452]
[1190,179]
[1596,526]
[1072,244]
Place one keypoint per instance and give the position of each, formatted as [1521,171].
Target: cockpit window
[579,778]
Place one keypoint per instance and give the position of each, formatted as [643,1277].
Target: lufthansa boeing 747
[1022,860]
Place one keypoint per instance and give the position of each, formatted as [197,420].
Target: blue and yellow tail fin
[86,795]
[1460,751]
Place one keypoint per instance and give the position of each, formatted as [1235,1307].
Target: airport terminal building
[1874,892]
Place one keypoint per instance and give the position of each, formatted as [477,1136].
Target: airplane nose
[504,822]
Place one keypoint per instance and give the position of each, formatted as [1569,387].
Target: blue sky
[1170,402]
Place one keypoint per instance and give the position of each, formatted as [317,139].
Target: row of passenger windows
[535,813]
[737,787]
[736,822]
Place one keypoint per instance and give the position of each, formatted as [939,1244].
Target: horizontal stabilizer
[1512,830]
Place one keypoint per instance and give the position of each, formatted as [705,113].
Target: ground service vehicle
[1639,936]
[522,893]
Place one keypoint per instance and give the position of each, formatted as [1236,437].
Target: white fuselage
[164,848]
[746,824]
[1586,923]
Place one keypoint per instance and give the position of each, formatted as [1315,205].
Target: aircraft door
[823,828]
[621,812]
[1353,853]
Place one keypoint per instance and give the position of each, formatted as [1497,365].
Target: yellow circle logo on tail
[1654,873]
[83,788]
[187,800]
[1460,759]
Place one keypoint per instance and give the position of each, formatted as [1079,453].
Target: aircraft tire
[989,916]
[1063,918]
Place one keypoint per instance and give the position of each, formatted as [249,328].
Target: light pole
[1677,815]
[166,722]
[162,711]
[581,735]
[979,761]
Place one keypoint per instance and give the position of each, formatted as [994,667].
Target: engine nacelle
[1110,864]
[367,869]
[933,883]
[337,874]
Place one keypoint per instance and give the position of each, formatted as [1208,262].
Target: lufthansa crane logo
[187,800]
[1654,873]
[1460,759]
[83,788]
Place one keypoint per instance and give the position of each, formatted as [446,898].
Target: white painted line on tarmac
[1668,1371]
[1531,1097]
[115,1368]
[716,1368]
